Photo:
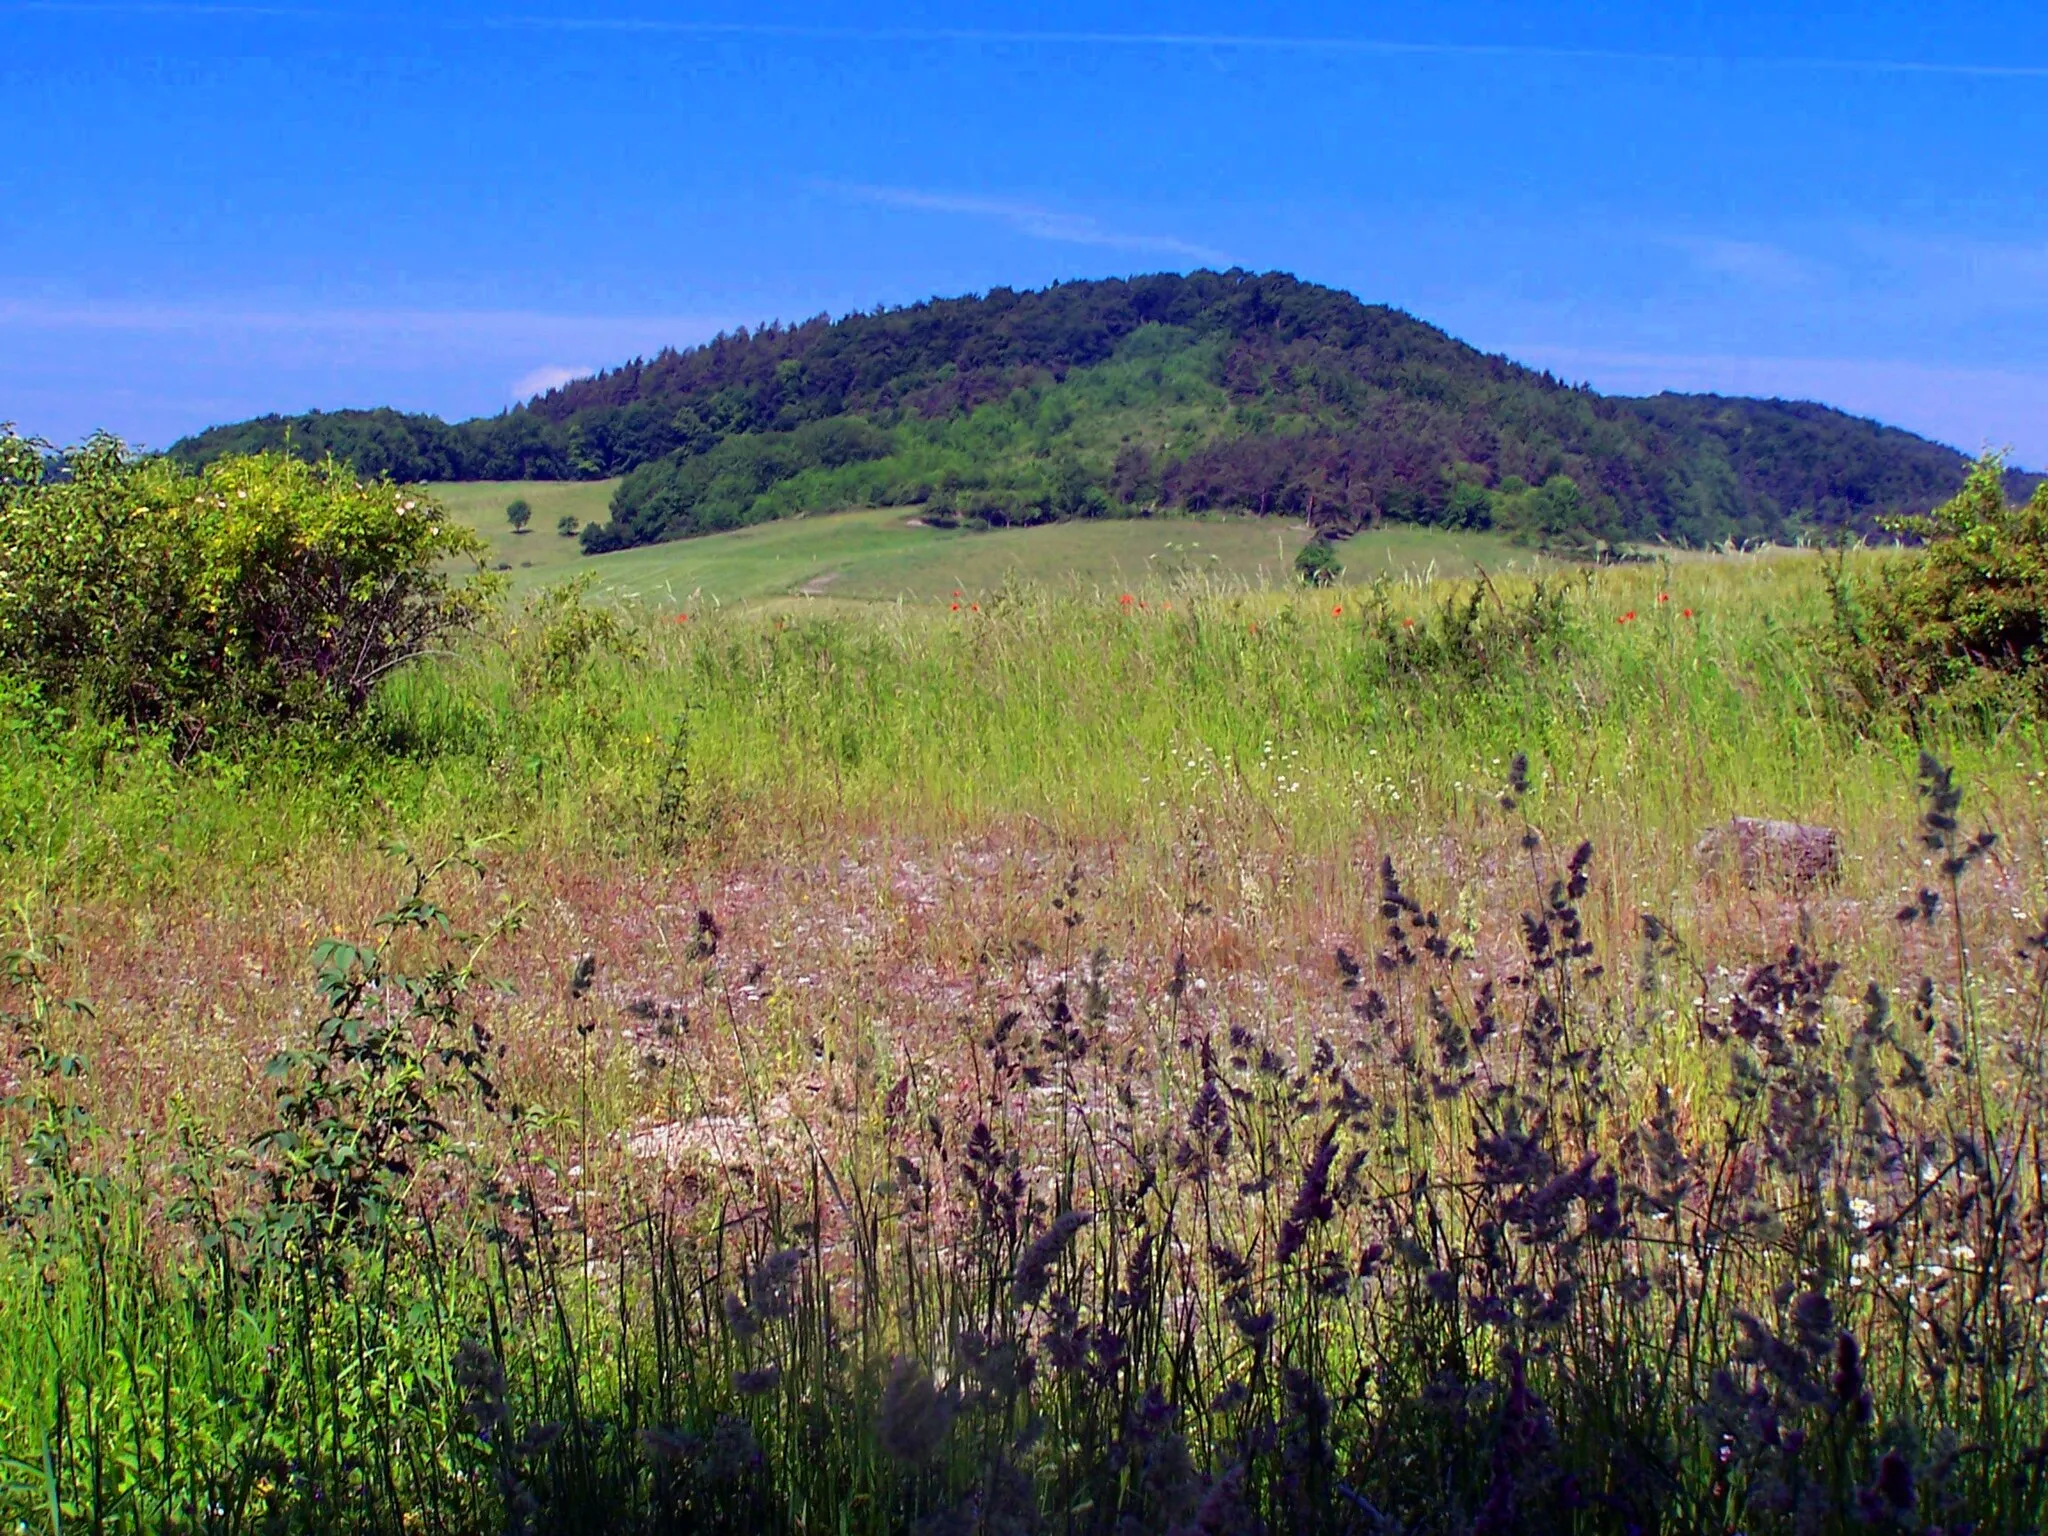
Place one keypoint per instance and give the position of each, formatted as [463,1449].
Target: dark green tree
[1074,492]
[1317,564]
[1469,506]
[519,514]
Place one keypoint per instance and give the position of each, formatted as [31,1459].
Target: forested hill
[1210,390]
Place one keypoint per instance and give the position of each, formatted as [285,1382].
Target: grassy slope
[540,552]
[881,554]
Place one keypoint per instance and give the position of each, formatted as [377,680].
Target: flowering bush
[1965,621]
[260,589]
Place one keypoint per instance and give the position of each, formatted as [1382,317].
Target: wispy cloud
[546,377]
[1949,269]
[1031,219]
[156,369]
[1393,48]
[481,328]
[1749,261]
[1971,408]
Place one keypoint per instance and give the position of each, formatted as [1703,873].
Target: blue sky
[212,210]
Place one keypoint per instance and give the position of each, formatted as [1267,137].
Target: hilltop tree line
[1232,390]
[403,446]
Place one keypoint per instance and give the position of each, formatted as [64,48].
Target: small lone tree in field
[567,526]
[1317,564]
[519,514]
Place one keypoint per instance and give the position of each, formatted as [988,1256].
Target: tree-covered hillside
[1210,390]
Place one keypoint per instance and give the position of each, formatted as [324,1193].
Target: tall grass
[1096,716]
[1468,1260]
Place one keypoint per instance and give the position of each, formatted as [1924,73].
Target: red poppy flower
[1127,599]
[956,607]
[974,607]
[1627,618]
[1337,612]
[1663,597]
[1686,614]
[682,618]
[1407,623]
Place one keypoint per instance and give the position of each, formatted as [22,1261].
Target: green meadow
[540,551]
[888,555]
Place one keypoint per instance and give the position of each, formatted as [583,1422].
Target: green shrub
[1317,564]
[1468,506]
[1555,515]
[261,590]
[1963,622]
[558,633]
[519,514]
[1472,636]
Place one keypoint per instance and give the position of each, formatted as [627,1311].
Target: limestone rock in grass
[737,1141]
[1779,853]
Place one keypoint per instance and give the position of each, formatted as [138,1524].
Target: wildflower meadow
[1200,1058]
